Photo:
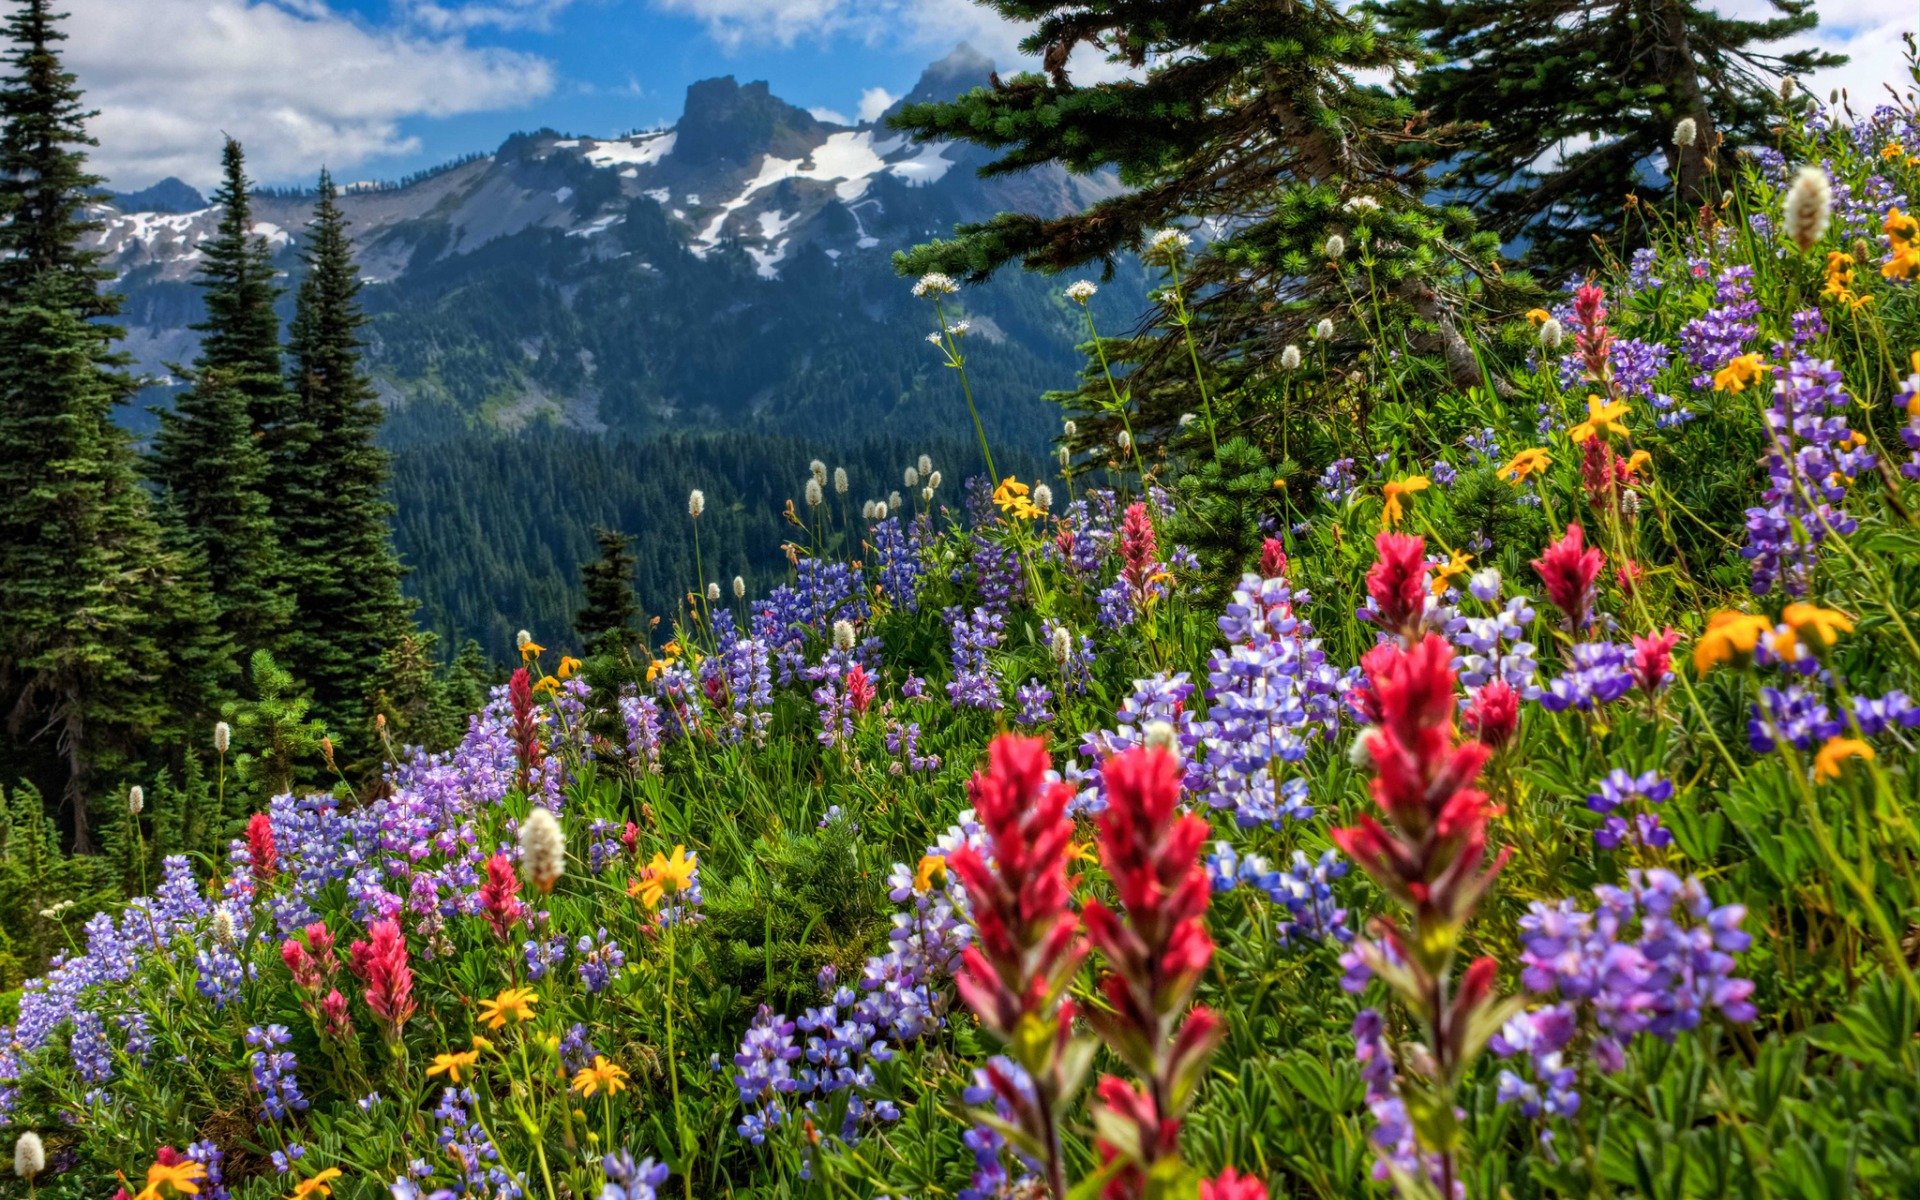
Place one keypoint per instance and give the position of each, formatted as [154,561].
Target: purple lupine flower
[1793,715]
[1813,459]
[1597,673]
[1033,698]
[630,1180]
[1891,711]
[273,1071]
[599,961]
[975,682]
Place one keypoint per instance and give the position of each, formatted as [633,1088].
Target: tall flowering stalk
[1154,958]
[1028,946]
[526,733]
[1430,855]
[381,963]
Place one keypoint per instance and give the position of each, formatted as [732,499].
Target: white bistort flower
[1336,247]
[843,635]
[839,481]
[934,283]
[1685,130]
[1042,496]
[713,592]
[29,1156]
[926,464]
[696,503]
[543,850]
[1809,207]
[739,587]
[1290,358]
[816,495]
[911,477]
[1552,333]
[136,800]
[1324,330]
[1081,290]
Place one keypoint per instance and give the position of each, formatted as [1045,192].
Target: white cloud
[298,83]
[830,116]
[1866,31]
[480,14]
[874,101]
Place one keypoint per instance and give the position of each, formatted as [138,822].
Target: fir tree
[80,575]
[44,181]
[1244,113]
[83,583]
[210,457]
[240,338]
[337,543]
[1575,103]
[606,624]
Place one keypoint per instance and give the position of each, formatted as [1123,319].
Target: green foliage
[274,729]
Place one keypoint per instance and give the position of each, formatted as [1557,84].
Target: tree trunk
[1694,165]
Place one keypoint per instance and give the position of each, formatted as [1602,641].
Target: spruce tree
[607,621]
[1572,105]
[83,584]
[337,544]
[1244,116]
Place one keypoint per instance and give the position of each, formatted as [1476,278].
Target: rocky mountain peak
[729,122]
[963,69]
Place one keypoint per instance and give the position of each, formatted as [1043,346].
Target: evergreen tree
[336,539]
[80,575]
[1573,104]
[240,338]
[606,623]
[1244,114]
[83,584]
[44,181]
[209,457]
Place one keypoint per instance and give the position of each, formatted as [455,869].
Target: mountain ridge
[729,271]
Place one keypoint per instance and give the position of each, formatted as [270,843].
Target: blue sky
[377,88]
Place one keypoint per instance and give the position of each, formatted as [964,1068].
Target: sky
[374,89]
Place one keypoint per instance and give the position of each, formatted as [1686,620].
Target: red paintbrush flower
[1397,582]
[260,849]
[1139,549]
[1154,958]
[859,689]
[1653,659]
[500,896]
[1231,1185]
[1273,559]
[1493,715]
[526,734]
[1568,570]
[1593,339]
[381,963]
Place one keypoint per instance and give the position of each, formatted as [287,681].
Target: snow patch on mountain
[642,151]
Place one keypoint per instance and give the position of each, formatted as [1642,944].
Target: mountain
[575,330]
[728,272]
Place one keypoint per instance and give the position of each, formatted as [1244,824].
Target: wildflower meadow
[1512,791]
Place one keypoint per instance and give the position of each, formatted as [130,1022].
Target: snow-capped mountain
[734,266]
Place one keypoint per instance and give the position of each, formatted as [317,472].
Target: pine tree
[83,583]
[1241,113]
[607,622]
[1576,103]
[337,542]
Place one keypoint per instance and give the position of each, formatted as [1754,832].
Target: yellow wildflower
[452,1064]
[1456,566]
[481,1045]
[1839,283]
[1892,150]
[665,875]
[931,873]
[1903,260]
[181,1178]
[1827,763]
[1741,373]
[1081,852]
[531,649]
[568,665]
[1603,417]
[1011,497]
[319,1185]
[514,1004]
[547,684]
[1730,636]
[1818,627]
[1537,317]
[602,1076]
[1526,463]
[1637,460]
[1396,491]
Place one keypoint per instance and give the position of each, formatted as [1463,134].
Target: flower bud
[926,464]
[222,737]
[1336,247]
[1290,358]
[739,587]
[1124,440]
[1809,207]
[912,478]
[839,481]
[713,592]
[1062,646]
[819,471]
[816,496]
[136,800]
[933,480]
[225,933]
[843,635]
[696,503]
